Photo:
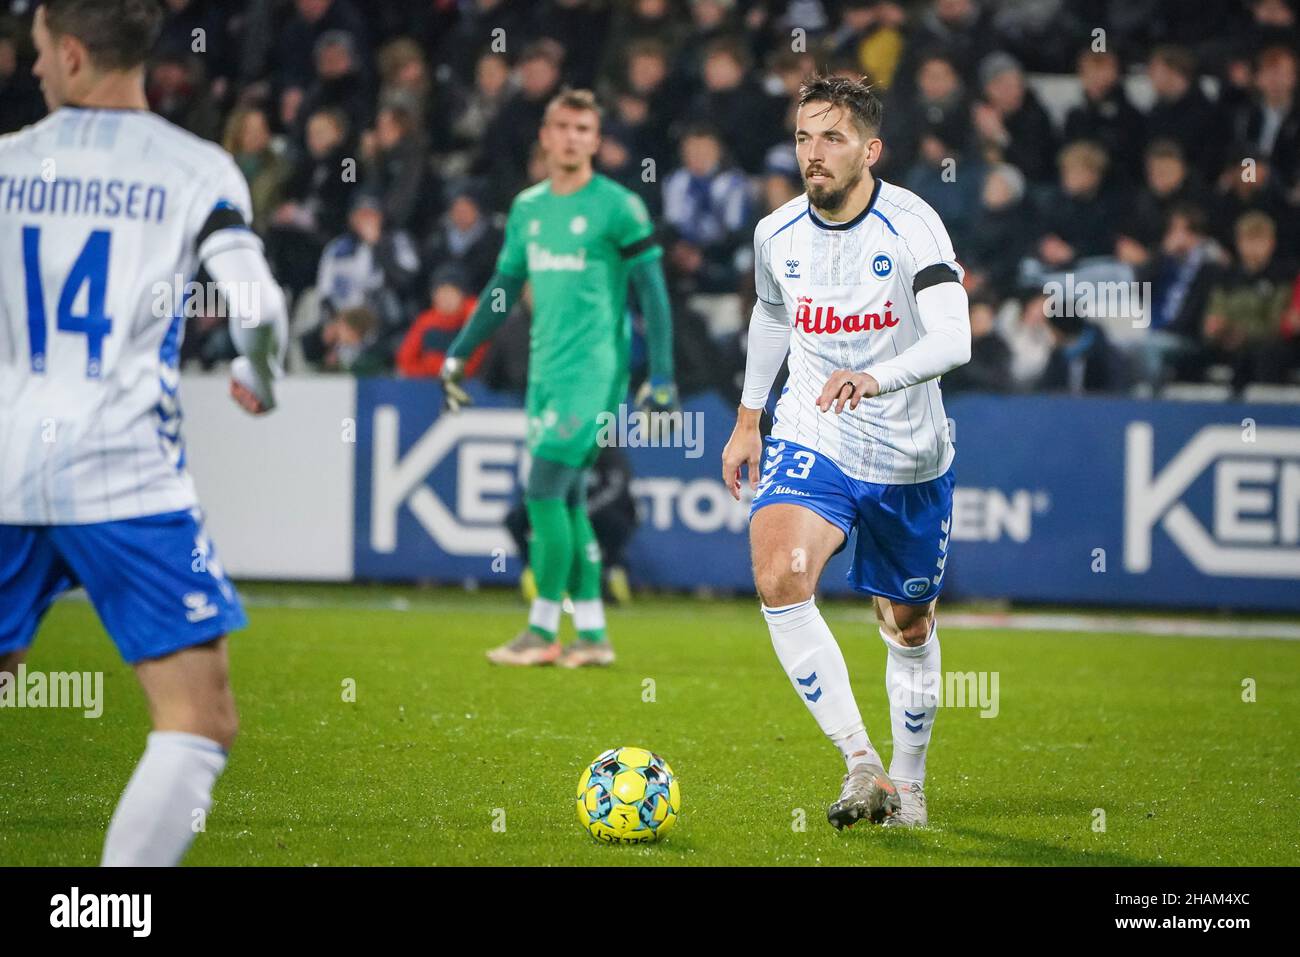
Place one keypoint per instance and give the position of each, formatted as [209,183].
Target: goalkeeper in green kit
[579,238]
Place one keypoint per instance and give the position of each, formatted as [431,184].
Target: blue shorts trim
[155,581]
[901,550]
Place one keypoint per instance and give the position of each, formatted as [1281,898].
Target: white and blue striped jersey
[848,291]
[102,215]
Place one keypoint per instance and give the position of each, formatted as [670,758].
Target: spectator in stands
[1106,116]
[1249,183]
[1181,275]
[425,346]
[993,248]
[707,204]
[871,32]
[370,267]
[21,102]
[339,83]
[404,78]
[1269,125]
[1078,218]
[474,110]
[179,91]
[1023,327]
[349,342]
[950,177]
[507,142]
[580,27]
[938,111]
[958,28]
[1182,112]
[295,52]
[649,80]
[989,369]
[397,170]
[460,48]
[1010,122]
[747,117]
[1082,358]
[1243,320]
[636,21]
[317,195]
[465,239]
[264,165]
[1168,182]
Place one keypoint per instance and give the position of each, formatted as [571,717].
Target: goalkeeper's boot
[912,813]
[867,794]
[582,652]
[529,648]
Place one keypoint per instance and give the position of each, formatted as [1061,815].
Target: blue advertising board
[1092,500]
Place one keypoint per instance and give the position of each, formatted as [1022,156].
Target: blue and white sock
[815,665]
[155,819]
[912,679]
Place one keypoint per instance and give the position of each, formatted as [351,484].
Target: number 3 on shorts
[805,460]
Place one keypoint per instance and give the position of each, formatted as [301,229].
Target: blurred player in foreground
[103,205]
[579,238]
[858,283]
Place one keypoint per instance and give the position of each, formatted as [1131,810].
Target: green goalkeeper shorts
[564,425]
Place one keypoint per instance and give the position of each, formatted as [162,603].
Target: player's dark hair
[856,96]
[118,34]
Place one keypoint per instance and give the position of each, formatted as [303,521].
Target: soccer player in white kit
[102,206]
[858,282]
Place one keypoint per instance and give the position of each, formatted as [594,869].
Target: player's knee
[913,632]
[908,625]
[215,718]
[780,585]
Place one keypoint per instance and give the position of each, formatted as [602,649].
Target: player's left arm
[943,311]
[231,254]
[640,249]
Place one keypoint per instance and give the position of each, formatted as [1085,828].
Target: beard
[834,194]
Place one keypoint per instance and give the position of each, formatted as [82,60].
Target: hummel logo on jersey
[792,269]
[824,321]
[200,609]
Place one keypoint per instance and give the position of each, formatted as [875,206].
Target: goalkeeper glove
[454,396]
[657,396]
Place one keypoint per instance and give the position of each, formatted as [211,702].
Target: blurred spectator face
[645,71]
[313,10]
[701,154]
[254,133]
[937,80]
[954,11]
[997,193]
[169,77]
[1082,167]
[570,137]
[390,128]
[178,6]
[324,135]
[1180,237]
[464,212]
[1006,91]
[1168,83]
[632,110]
[448,298]
[652,9]
[1275,78]
[708,14]
[412,76]
[778,190]
[8,57]
[538,76]
[491,74]
[1273,13]
[368,223]
[1165,174]
[613,155]
[722,72]
[1098,73]
[334,61]
[981,319]
[1034,312]
[1255,245]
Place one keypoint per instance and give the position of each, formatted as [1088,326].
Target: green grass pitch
[1153,731]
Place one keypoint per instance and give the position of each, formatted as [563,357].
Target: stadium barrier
[1092,500]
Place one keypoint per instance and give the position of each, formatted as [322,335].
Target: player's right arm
[494,304]
[231,254]
[767,344]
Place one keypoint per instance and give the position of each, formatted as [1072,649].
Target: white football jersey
[101,215]
[847,290]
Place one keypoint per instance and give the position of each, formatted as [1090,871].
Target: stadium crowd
[1121,146]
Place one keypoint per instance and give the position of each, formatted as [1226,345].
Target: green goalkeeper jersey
[576,251]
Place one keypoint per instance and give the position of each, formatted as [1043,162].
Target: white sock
[811,657]
[589,615]
[912,680]
[545,615]
[154,821]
